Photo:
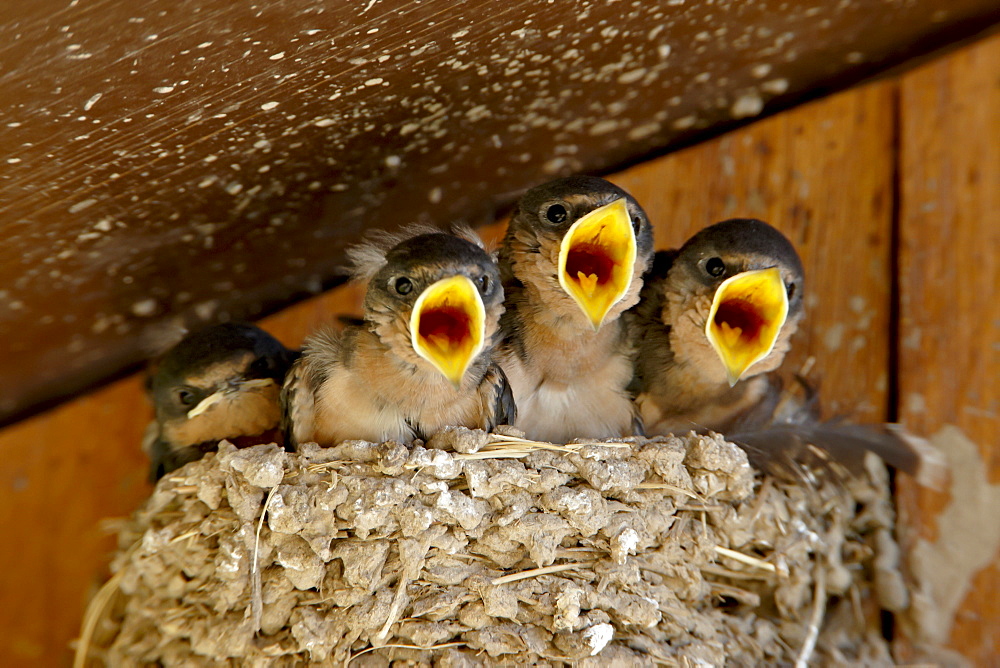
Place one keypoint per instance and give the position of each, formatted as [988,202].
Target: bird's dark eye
[187,397]
[484,283]
[790,289]
[261,367]
[636,224]
[715,266]
[556,213]
[403,285]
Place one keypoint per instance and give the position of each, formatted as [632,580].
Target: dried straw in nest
[483,548]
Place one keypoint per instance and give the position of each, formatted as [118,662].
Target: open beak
[253,385]
[747,313]
[448,326]
[597,258]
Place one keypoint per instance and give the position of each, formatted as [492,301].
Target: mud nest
[480,548]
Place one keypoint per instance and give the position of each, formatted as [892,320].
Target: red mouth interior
[743,314]
[445,325]
[590,259]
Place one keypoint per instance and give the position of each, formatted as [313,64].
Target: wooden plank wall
[949,354]
[829,174]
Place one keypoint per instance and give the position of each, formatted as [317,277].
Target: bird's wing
[322,353]
[159,452]
[156,450]
[167,459]
[789,450]
[150,436]
[298,404]
[638,426]
[784,435]
[499,399]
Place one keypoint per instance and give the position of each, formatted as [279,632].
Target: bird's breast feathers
[377,408]
[561,408]
[347,409]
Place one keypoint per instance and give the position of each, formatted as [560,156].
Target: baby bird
[715,317]
[572,262]
[221,382]
[421,359]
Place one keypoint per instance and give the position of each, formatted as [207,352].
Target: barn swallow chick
[572,263]
[421,360]
[222,382]
[715,317]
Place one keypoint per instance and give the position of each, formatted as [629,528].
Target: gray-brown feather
[504,409]
[369,257]
[297,405]
[791,450]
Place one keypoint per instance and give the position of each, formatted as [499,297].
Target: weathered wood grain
[143,140]
[823,173]
[62,473]
[950,276]
[66,472]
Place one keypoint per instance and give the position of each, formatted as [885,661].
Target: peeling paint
[833,336]
[145,308]
[747,104]
[80,206]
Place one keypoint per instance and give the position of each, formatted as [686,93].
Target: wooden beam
[949,339]
[199,159]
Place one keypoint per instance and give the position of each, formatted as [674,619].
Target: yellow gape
[747,314]
[448,326]
[597,258]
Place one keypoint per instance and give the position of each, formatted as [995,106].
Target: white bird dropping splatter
[598,636]
[92,101]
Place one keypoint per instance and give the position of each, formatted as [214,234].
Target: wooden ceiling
[183,161]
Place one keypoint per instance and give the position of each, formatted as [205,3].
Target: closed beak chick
[572,262]
[422,357]
[222,382]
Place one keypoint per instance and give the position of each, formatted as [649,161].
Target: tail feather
[788,449]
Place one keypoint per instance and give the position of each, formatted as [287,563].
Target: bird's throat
[448,326]
[597,260]
[748,312]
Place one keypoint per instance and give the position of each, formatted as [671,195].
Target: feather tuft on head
[465,231]
[160,337]
[365,259]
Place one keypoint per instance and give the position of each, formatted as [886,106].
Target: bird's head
[436,299]
[219,382]
[580,245]
[734,294]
